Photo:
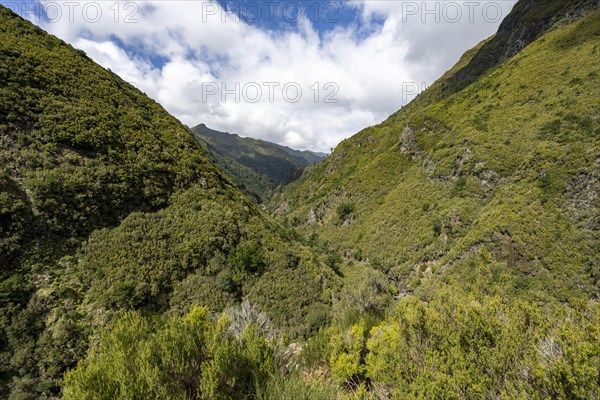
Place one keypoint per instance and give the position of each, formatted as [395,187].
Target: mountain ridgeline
[257,167]
[450,252]
[528,21]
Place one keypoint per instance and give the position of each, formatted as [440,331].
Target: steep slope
[311,157]
[496,182]
[256,166]
[106,204]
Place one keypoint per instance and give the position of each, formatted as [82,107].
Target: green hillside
[503,172]
[450,252]
[257,167]
[108,204]
[478,204]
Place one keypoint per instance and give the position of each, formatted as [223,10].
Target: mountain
[256,166]
[311,157]
[478,202]
[527,22]
[108,204]
[503,170]
[450,252]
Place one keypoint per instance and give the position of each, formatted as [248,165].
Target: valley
[450,252]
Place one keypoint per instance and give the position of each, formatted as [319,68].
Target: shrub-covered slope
[107,203]
[503,174]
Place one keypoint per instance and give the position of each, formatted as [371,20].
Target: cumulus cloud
[300,86]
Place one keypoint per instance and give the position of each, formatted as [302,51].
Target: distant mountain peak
[257,166]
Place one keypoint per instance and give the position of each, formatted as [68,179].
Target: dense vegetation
[257,167]
[478,202]
[454,346]
[107,203]
[504,171]
[448,253]
[80,149]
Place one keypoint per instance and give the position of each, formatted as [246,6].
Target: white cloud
[368,62]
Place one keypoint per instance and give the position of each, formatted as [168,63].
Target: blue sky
[306,74]
[284,15]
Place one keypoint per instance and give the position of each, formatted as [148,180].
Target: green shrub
[334,261]
[188,357]
[248,257]
[344,210]
[292,386]
[458,346]
[551,128]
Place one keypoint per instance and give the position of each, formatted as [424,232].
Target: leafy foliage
[189,357]
[458,346]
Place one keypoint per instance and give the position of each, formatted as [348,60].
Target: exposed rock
[312,217]
[489,177]
[203,183]
[583,198]
[407,140]
[282,209]
[347,221]
[335,162]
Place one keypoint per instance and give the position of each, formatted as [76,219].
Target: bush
[188,357]
[334,261]
[461,346]
[551,128]
[249,257]
[292,386]
[344,210]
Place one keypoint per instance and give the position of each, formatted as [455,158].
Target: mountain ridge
[258,167]
[526,22]
[308,153]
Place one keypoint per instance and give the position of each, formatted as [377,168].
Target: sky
[306,74]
